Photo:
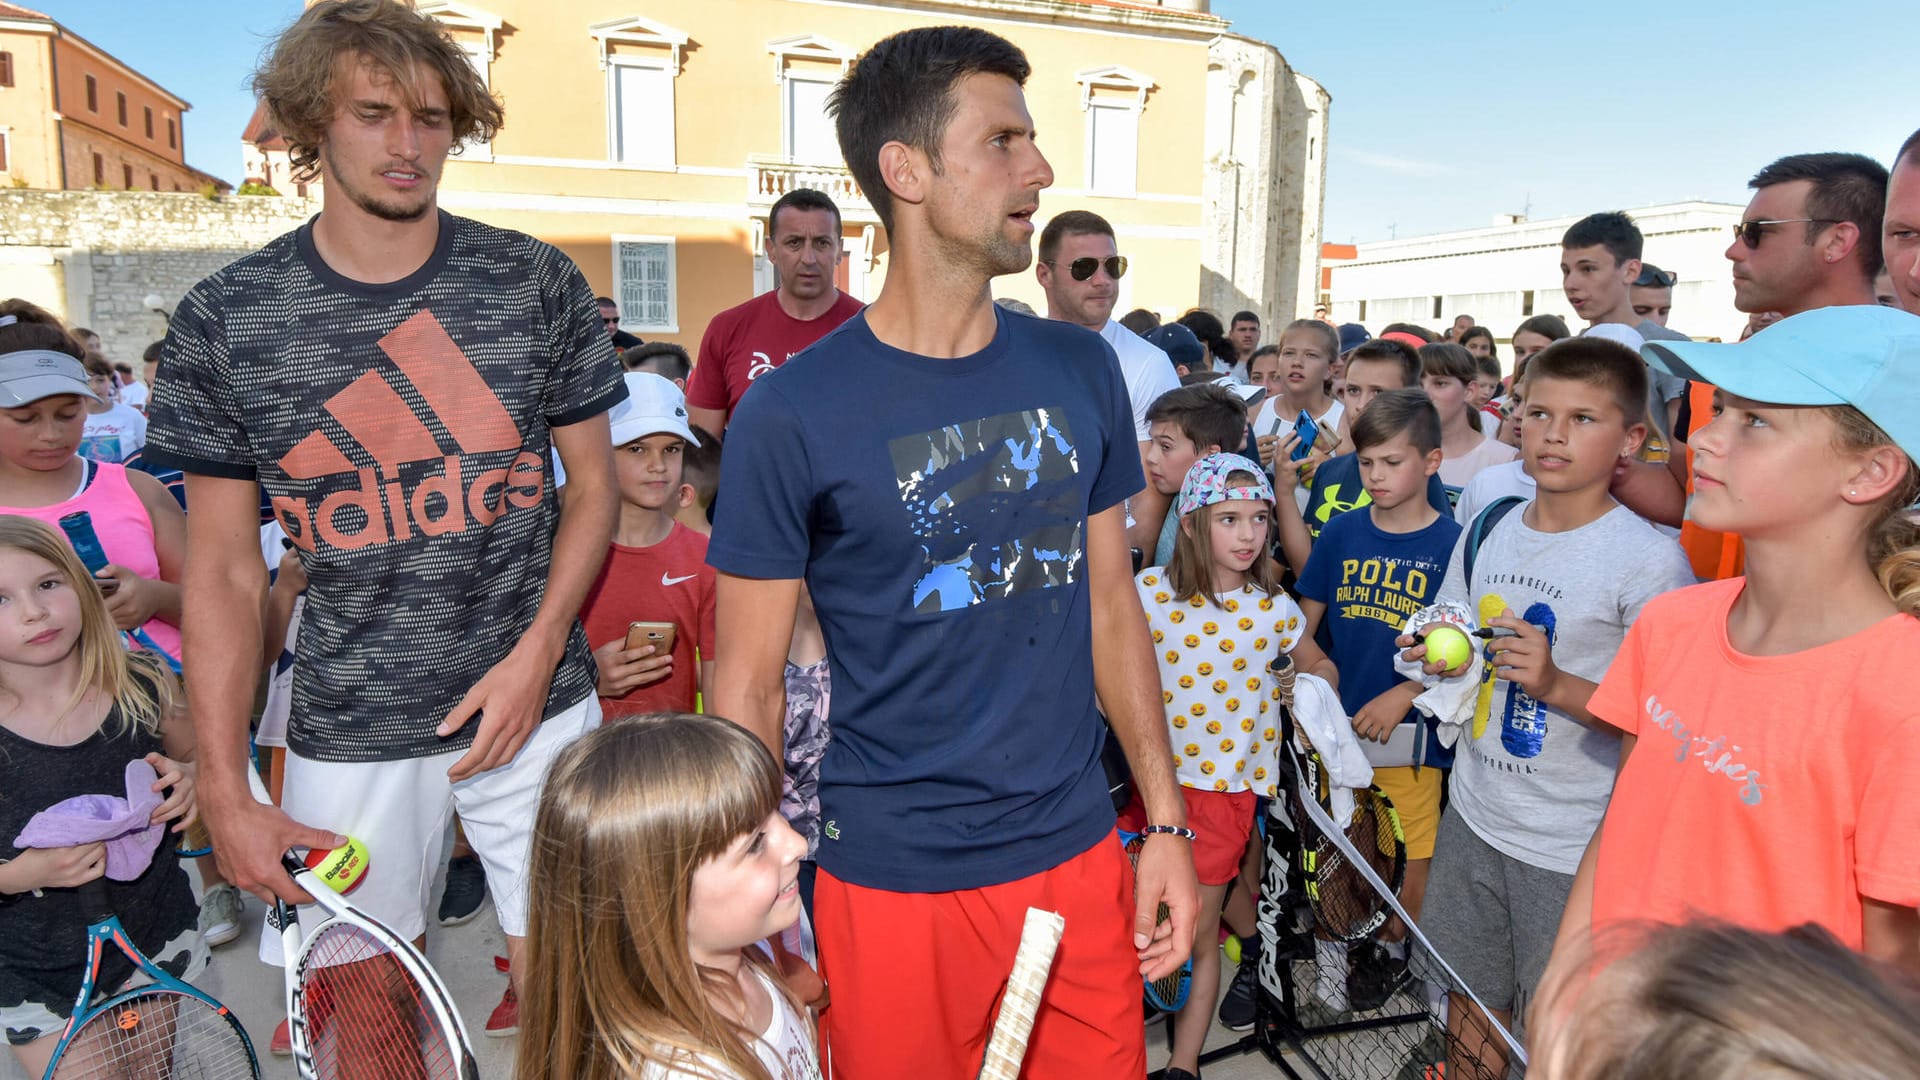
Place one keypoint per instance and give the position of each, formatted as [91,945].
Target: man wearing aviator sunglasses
[1080,270]
[1810,237]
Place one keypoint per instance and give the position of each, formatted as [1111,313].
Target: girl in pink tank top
[43,393]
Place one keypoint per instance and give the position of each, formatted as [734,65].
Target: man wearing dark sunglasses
[610,318]
[1080,268]
[1652,293]
[1810,237]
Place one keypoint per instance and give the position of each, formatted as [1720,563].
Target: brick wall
[93,256]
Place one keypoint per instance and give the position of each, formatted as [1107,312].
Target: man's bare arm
[227,578]
[1127,680]
[708,420]
[753,625]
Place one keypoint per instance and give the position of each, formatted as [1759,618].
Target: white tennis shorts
[401,809]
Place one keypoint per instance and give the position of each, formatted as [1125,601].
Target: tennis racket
[1169,992]
[1344,905]
[163,1030]
[1007,1047]
[361,1001]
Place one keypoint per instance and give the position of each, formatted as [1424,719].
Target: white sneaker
[220,914]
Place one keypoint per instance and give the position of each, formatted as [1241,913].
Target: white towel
[1318,718]
[1449,700]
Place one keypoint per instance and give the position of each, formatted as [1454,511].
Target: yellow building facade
[649,140]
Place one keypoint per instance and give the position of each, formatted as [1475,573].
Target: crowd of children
[1595,895]
[1530,820]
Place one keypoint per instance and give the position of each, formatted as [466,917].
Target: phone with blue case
[1309,433]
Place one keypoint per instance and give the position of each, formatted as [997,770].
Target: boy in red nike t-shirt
[656,571]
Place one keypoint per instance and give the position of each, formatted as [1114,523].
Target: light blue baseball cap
[1862,355]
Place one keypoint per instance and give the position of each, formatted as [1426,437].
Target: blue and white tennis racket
[1169,992]
[166,1029]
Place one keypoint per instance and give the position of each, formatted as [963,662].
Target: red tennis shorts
[914,979]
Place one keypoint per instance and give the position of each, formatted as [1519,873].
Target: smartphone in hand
[1309,433]
[660,635]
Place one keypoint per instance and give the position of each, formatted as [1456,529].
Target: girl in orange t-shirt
[1771,729]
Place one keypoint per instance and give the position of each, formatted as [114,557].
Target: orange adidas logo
[379,509]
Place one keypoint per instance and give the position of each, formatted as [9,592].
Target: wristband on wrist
[1170,830]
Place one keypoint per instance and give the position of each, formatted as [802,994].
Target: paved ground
[464,957]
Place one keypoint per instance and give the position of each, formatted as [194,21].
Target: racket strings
[366,1017]
[1345,903]
[161,1035]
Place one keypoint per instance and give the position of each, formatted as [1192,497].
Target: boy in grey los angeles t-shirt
[1529,779]
[1561,577]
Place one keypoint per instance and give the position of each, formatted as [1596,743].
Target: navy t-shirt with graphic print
[401,433]
[937,509]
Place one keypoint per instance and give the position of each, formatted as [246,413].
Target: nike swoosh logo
[665,580]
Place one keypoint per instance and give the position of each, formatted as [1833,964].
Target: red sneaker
[282,1044]
[505,1019]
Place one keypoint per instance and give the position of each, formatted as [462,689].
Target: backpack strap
[1483,523]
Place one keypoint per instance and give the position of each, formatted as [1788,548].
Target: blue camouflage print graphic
[994,506]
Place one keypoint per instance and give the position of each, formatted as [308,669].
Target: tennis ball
[1232,948]
[1448,645]
[342,867]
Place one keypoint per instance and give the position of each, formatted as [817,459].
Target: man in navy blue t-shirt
[949,480]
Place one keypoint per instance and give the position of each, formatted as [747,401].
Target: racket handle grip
[1039,940]
[95,903]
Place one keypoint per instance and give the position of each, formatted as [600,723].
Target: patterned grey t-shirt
[401,434]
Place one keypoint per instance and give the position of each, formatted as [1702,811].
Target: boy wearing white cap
[656,571]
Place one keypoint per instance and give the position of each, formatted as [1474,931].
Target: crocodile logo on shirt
[374,440]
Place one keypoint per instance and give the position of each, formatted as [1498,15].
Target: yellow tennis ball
[340,868]
[1449,646]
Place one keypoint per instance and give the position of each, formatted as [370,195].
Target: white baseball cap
[654,406]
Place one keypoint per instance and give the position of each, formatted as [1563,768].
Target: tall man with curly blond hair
[396,379]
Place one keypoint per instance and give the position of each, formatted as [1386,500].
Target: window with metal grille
[643,278]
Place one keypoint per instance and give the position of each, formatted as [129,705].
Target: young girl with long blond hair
[1217,614]
[660,860]
[1771,735]
[75,709]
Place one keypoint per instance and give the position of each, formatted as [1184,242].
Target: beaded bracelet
[1170,830]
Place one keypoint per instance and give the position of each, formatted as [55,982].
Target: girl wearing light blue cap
[1217,614]
[1772,729]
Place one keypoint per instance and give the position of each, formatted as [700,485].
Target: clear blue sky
[1445,112]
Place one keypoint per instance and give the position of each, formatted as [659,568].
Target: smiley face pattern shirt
[1221,710]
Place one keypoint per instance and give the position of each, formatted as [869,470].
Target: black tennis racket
[361,1001]
[165,1030]
[1345,905]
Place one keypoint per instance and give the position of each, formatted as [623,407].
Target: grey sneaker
[220,914]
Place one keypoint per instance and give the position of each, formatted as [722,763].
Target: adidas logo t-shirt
[401,435]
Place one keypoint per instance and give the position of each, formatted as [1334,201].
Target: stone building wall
[92,257]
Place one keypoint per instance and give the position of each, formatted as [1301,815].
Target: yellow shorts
[1416,797]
